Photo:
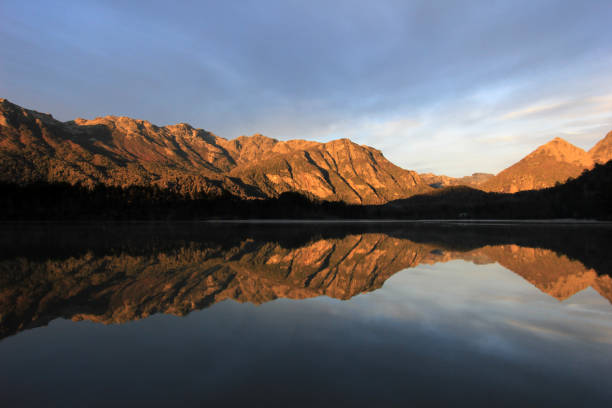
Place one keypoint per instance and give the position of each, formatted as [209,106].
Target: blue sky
[452,87]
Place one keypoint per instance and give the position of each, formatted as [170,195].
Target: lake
[306,314]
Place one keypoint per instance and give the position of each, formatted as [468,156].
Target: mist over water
[305,314]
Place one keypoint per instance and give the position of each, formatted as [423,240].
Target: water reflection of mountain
[118,274]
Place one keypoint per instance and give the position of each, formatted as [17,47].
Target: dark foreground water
[305,315]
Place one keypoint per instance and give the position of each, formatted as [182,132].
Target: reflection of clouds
[536,329]
[445,333]
[493,343]
[488,308]
[593,331]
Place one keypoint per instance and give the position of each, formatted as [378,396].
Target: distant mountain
[551,163]
[120,151]
[440,181]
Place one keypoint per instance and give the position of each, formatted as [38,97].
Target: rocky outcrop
[121,151]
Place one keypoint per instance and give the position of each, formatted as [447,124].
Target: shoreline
[566,221]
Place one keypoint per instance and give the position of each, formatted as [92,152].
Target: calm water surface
[305,315]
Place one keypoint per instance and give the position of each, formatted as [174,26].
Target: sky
[451,87]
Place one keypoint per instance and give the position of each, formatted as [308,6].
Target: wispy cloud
[433,87]
[534,109]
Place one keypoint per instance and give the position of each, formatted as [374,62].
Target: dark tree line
[588,196]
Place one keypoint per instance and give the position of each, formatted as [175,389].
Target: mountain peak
[552,162]
[255,138]
[559,139]
[563,151]
[558,143]
[12,112]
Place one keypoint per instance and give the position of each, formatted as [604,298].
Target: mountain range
[120,151]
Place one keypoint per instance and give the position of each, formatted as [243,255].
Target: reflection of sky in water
[453,333]
[458,297]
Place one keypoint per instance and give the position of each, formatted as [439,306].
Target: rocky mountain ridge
[121,151]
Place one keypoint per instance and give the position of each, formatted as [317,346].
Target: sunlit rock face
[115,151]
[602,152]
[551,163]
[338,170]
[120,287]
[121,151]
